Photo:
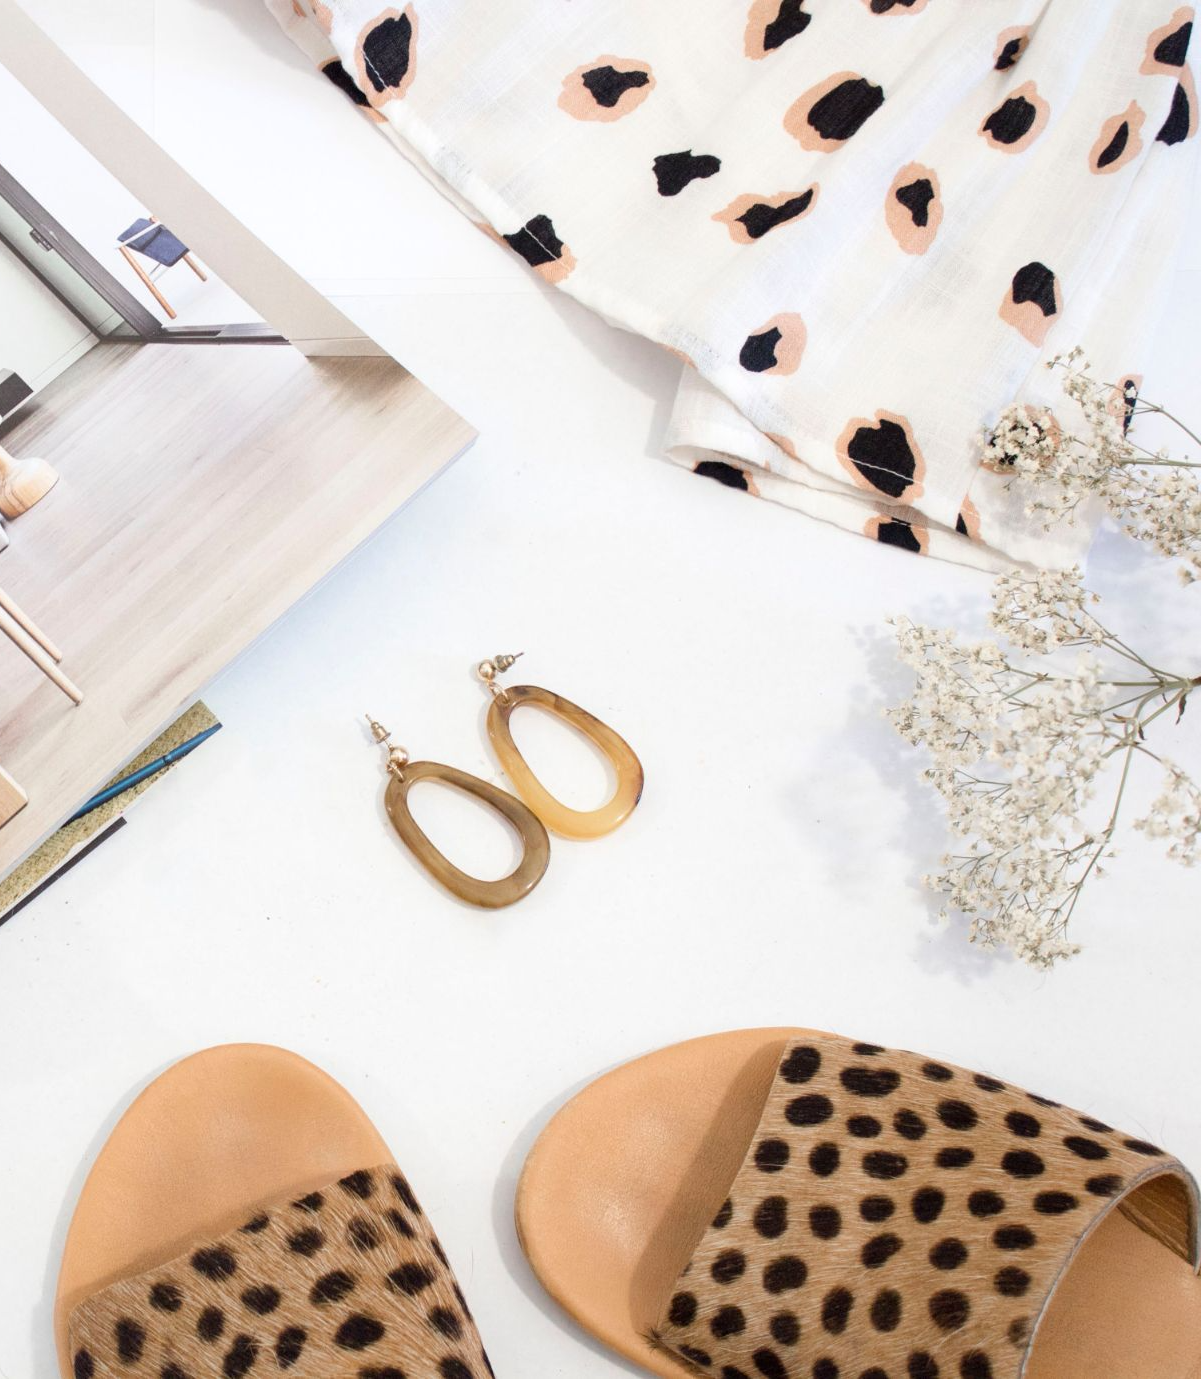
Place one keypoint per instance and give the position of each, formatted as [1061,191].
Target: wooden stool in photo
[28,637]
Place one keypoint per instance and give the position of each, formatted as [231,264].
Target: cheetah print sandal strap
[897,1218]
[348,1282]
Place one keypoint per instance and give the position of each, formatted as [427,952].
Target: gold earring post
[398,757]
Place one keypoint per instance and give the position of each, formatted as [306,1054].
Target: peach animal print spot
[776,347]
[1033,301]
[913,207]
[750,217]
[881,454]
[1017,121]
[606,89]
[833,111]
[1119,141]
[771,23]
[386,55]
[968,522]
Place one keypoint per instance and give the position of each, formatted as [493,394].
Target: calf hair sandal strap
[899,1217]
[348,1282]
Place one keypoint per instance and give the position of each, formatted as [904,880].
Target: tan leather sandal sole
[245,1218]
[787,1204]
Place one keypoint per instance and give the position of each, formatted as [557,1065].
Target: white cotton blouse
[863,225]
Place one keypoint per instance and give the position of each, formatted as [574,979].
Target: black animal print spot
[288,1346]
[776,347]
[674,171]
[825,1222]
[936,1072]
[345,83]
[1055,1203]
[975,1365]
[683,1310]
[1173,50]
[215,1263]
[922,1366]
[262,1299]
[83,1366]
[1043,1100]
[1011,46]
[1023,1163]
[870,1082]
[210,1324]
[729,1321]
[1012,1282]
[306,1242]
[724,1216]
[801,1065]
[1024,1126]
[607,85]
[358,1332]
[836,1310]
[881,454]
[882,1164]
[832,112]
[240,1357]
[750,218]
[896,532]
[886,1310]
[608,88]
[454,1368]
[1098,1127]
[785,1274]
[358,1184]
[1085,1148]
[876,1209]
[410,1279]
[1104,1185]
[386,54]
[728,1266]
[165,1297]
[769,1364]
[913,208]
[256,1224]
[173,1371]
[950,1309]
[785,1328]
[771,1217]
[770,1155]
[312,1202]
[985,1203]
[948,1254]
[868,1050]
[809,1110]
[954,1157]
[1116,146]
[864,1127]
[909,1125]
[927,1204]
[332,1287]
[957,1115]
[1030,305]
[772,23]
[988,1084]
[407,1197]
[879,1250]
[131,1340]
[916,197]
[1144,1147]
[362,1235]
[1011,120]
[825,1368]
[824,1160]
[1013,1238]
[536,242]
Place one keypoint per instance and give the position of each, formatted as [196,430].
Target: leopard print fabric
[896,1218]
[346,1283]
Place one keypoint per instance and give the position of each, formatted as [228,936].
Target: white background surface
[770,874]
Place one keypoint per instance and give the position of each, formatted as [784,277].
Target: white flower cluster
[1155,498]
[1018,753]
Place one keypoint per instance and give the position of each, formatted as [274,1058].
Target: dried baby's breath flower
[1154,498]
[1019,753]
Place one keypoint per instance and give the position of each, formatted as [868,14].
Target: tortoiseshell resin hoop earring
[570,823]
[403,774]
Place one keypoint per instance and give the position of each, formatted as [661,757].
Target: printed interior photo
[600,770]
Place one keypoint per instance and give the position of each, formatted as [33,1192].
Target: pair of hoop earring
[530,815]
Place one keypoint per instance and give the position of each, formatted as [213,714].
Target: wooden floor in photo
[203,490]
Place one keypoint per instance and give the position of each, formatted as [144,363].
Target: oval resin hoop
[571,823]
[491,895]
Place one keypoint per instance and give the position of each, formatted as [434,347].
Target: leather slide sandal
[245,1218]
[786,1204]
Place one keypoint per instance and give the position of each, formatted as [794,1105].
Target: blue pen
[150,769]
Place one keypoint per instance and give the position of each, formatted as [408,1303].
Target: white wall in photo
[39,336]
